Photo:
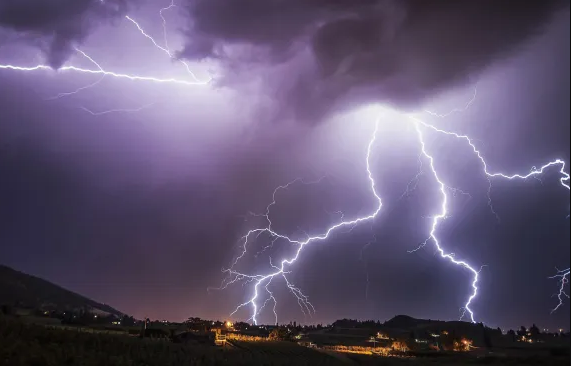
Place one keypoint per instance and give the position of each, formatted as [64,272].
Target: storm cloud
[316,57]
[394,52]
[56,26]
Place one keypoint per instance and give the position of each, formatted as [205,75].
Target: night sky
[143,209]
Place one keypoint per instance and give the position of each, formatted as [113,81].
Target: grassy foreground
[36,345]
[23,344]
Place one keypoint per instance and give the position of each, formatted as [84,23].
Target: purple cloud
[55,26]
[396,52]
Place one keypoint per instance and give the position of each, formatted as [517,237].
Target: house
[220,339]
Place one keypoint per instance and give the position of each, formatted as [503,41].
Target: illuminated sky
[141,210]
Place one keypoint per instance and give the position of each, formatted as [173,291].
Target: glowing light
[102,72]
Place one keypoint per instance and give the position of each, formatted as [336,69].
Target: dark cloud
[56,25]
[396,52]
[275,25]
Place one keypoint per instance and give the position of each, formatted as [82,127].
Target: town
[399,337]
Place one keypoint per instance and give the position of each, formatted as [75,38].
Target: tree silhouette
[6,309]
[487,338]
[534,331]
[279,334]
[512,335]
[522,332]
[127,321]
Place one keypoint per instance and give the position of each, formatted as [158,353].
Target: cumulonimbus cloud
[56,25]
[393,51]
[353,52]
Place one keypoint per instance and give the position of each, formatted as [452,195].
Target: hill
[404,326]
[21,289]
[408,322]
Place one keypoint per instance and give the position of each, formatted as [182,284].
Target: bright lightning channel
[563,277]
[166,48]
[535,172]
[100,71]
[564,180]
[103,72]
[362,259]
[165,37]
[280,271]
[66,94]
[123,110]
[265,279]
[435,223]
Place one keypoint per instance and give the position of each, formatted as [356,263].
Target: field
[32,344]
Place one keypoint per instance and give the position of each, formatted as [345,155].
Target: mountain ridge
[21,289]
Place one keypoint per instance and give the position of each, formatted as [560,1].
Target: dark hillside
[23,290]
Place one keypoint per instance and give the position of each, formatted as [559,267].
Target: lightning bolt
[563,277]
[535,173]
[245,238]
[263,280]
[165,37]
[532,174]
[104,72]
[272,299]
[194,81]
[165,49]
[413,183]
[362,259]
[124,110]
[61,95]
[280,271]
[456,110]
[436,222]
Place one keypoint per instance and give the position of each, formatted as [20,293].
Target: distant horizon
[223,320]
